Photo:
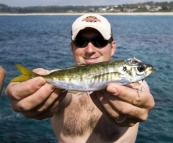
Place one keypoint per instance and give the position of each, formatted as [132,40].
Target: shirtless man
[108,116]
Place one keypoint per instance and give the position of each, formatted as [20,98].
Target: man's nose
[89,48]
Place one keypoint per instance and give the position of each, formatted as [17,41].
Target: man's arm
[2,77]
[124,105]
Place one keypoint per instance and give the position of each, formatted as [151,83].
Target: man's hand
[124,105]
[35,98]
[2,76]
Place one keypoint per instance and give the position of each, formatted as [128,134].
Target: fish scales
[93,77]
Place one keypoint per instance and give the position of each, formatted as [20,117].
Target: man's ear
[113,46]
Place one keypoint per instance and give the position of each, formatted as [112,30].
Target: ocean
[43,41]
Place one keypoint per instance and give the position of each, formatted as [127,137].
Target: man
[110,115]
[2,76]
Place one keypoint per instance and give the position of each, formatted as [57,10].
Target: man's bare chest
[83,116]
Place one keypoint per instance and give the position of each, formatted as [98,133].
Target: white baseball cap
[95,21]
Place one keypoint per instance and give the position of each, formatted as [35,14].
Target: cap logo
[91,19]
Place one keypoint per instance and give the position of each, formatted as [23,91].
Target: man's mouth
[91,60]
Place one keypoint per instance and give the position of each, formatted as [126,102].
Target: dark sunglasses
[98,41]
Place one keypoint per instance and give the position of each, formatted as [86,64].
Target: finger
[97,103]
[37,115]
[35,99]
[44,115]
[126,109]
[48,108]
[135,97]
[111,113]
[55,98]
[107,106]
[41,71]
[18,91]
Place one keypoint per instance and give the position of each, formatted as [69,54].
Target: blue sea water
[43,41]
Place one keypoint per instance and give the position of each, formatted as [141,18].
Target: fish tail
[26,74]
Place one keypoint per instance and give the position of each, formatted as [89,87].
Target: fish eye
[141,67]
[124,68]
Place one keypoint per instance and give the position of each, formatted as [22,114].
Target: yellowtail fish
[93,77]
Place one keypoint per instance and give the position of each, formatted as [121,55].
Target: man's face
[91,54]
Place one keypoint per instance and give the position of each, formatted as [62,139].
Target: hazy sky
[23,3]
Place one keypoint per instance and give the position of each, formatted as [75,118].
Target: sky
[24,3]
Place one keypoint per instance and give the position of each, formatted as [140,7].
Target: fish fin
[26,74]
[136,59]
[80,93]
[77,93]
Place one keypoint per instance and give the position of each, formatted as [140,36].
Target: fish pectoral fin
[78,93]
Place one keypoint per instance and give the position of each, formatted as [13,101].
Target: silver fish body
[97,76]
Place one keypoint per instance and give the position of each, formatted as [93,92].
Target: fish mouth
[150,69]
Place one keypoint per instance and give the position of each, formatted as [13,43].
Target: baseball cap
[95,21]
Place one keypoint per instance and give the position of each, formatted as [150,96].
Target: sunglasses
[98,41]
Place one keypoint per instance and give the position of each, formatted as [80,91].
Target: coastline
[30,14]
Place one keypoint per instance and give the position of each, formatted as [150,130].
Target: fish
[92,77]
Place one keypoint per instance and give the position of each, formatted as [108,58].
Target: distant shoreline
[134,13]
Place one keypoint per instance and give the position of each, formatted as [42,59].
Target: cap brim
[103,31]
